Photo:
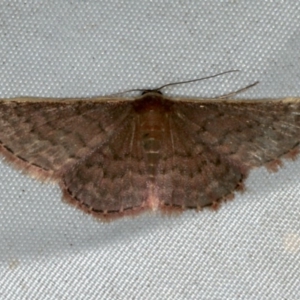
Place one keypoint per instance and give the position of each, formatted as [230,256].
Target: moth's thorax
[152,100]
[153,115]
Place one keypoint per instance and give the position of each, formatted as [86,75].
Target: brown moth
[114,156]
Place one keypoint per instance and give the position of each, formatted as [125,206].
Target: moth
[121,156]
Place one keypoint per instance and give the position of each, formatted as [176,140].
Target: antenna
[176,83]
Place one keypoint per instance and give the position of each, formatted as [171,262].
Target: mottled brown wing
[111,182]
[215,144]
[47,136]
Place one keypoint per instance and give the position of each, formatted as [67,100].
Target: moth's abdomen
[153,111]
[152,132]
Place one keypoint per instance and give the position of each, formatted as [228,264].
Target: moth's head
[155,91]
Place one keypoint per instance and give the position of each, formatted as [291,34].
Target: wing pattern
[50,135]
[115,157]
[112,180]
[215,144]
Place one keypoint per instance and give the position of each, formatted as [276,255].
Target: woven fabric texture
[248,249]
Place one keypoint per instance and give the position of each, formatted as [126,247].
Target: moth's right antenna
[175,83]
[238,91]
[194,80]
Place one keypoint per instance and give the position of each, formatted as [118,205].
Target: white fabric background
[249,249]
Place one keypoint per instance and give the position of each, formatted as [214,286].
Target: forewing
[47,136]
[214,144]
[248,133]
